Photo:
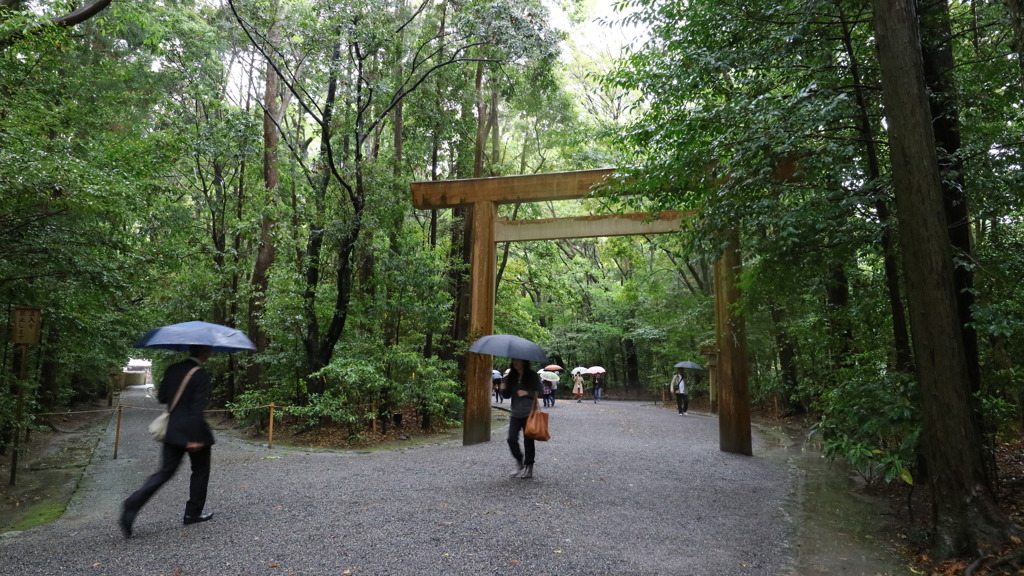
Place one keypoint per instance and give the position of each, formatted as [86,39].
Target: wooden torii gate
[484,195]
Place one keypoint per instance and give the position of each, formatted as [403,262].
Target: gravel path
[623,488]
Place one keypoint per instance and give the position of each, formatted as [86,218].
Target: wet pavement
[835,526]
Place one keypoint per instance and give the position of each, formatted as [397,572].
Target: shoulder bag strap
[177,395]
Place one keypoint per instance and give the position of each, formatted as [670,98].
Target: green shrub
[252,407]
[871,422]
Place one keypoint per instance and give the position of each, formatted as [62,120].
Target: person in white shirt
[678,386]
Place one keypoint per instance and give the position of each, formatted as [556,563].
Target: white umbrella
[595,370]
[579,370]
[546,375]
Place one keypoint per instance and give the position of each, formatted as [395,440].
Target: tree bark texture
[938,61]
[734,433]
[966,518]
[273,111]
[866,130]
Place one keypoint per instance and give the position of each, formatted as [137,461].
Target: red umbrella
[553,368]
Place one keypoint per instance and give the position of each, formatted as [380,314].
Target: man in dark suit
[187,432]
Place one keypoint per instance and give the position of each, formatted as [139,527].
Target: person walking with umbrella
[187,433]
[522,385]
[184,388]
[577,386]
[678,386]
[598,383]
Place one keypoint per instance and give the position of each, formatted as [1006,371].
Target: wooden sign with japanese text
[25,325]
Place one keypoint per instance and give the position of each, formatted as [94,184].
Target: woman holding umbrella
[522,385]
[577,386]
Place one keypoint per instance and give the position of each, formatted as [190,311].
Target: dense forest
[247,162]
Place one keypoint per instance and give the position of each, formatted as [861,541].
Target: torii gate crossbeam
[484,195]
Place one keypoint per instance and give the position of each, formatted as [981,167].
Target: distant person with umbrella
[678,387]
[598,373]
[496,386]
[187,433]
[577,386]
[522,385]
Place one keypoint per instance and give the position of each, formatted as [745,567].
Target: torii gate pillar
[476,427]
[731,337]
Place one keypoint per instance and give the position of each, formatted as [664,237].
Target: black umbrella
[180,336]
[688,364]
[509,346]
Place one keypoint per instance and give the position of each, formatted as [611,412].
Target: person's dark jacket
[186,423]
[521,405]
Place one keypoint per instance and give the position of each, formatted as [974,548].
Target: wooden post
[734,392]
[19,413]
[711,365]
[117,431]
[270,433]
[25,325]
[477,415]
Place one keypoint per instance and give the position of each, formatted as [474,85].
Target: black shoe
[201,518]
[126,521]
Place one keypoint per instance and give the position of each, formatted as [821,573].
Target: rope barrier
[120,407]
[156,409]
[74,412]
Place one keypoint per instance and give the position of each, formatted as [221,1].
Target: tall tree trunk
[315,240]
[428,345]
[786,350]
[837,292]
[459,252]
[632,363]
[967,519]
[273,112]
[495,128]
[481,123]
[901,338]
[938,69]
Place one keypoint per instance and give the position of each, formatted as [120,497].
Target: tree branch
[82,14]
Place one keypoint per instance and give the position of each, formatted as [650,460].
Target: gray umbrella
[180,336]
[688,364]
[509,346]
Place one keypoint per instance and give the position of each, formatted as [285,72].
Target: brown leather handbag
[537,423]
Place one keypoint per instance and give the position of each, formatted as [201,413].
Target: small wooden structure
[484,195]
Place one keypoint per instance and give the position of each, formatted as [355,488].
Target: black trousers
[515,426]
[170,459]
[682,401]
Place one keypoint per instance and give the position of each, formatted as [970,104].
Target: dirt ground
[56,454]
[50,465]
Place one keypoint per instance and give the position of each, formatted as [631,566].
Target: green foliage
[872,423]
[1000,400]
[253,406]
[358,390]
